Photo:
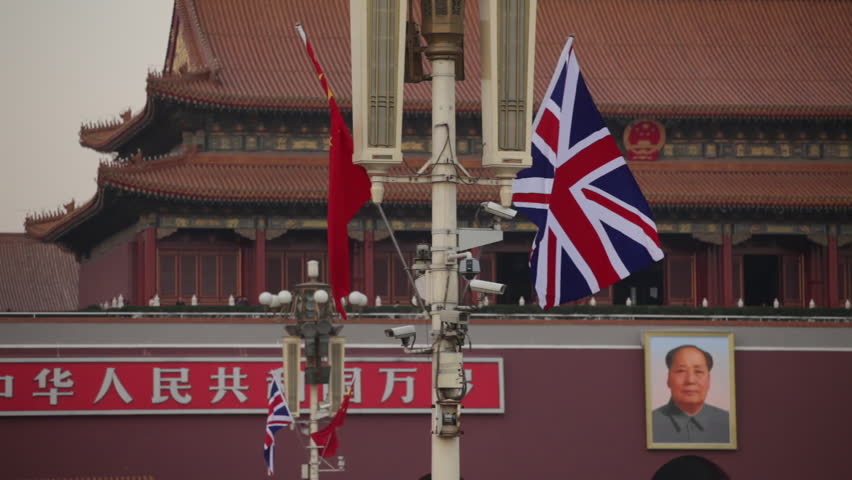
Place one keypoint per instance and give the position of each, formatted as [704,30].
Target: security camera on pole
[386,49]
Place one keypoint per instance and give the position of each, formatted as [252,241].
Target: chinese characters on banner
[45,386]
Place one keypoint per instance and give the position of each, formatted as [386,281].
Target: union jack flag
[278,417]
[594,225]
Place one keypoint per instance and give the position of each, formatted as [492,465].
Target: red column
[814,274]
[712,275]
[369,267]
[832,298]
[150,264]
[356,270]
[139,272]
[259,264]
[246,261]
[727,268]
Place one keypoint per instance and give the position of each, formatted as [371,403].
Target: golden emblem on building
[643,139]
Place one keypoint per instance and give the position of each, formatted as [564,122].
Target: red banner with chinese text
[119,386]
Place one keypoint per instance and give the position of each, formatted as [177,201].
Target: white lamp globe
[275,302]
[357,298]
[320,296]
[285,297]
[265,298]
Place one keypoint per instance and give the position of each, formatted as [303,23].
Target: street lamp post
[443,50]
[385,50]
[323,351]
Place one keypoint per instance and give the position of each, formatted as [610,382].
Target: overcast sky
[65,62]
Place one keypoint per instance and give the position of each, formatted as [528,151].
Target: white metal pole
[444,294]
[314,468]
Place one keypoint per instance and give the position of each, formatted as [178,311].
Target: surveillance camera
[403,334]
[469,268]
[490,288]
[406,331]
[420,266]
[498,210]
[423,251]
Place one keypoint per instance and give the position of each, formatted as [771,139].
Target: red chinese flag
[348,189]
[326,438]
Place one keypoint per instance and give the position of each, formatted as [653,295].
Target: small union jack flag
[278,418]
[594,225]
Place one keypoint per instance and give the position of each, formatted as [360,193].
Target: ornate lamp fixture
[443,28]
[323,348]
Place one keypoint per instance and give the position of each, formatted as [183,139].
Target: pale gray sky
[65,62]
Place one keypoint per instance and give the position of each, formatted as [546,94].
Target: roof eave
[123,134]
[70,221]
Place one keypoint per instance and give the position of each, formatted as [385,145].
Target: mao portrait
[689,390]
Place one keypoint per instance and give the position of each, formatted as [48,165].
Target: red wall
[569,414]
[108,275]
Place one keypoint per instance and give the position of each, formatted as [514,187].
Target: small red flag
[348,189]
[326,438]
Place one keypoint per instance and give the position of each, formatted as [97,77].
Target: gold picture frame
[690,391]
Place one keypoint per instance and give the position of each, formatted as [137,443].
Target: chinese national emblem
[643,139]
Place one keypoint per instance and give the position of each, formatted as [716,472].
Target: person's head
[689,376]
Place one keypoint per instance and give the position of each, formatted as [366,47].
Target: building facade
[741,144]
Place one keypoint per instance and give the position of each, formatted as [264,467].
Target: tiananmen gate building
[736,128]
[735,117]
